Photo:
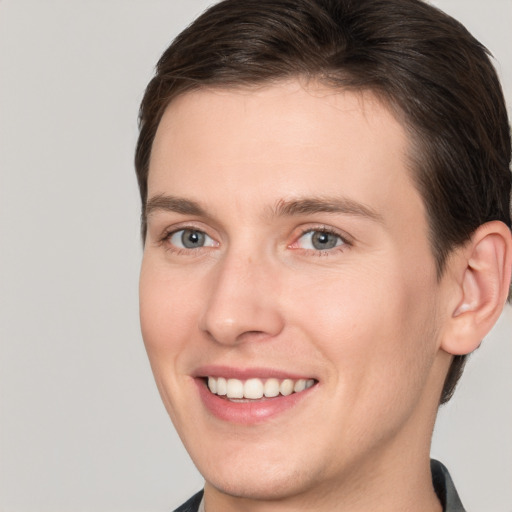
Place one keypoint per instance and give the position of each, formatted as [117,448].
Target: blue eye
[191,239]
[318,240]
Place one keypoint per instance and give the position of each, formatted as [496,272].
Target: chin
[260,483]
[255,463]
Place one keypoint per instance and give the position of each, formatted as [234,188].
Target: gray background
[82,427]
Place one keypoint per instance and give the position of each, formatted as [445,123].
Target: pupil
[192,239]
[322,240]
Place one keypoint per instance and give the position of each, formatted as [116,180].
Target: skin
[365,318]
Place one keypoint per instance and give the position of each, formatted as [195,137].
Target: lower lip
[250,412]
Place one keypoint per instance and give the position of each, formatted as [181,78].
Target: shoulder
[192,505]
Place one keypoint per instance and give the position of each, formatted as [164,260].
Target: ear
[481,272]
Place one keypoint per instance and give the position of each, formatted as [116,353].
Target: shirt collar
[445,488]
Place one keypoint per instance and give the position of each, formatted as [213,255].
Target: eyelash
[345,242]
[165,241]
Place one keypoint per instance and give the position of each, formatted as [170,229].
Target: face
[287,263]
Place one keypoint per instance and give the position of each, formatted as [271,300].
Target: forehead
[298,140]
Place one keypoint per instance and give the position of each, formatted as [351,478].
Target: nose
[243,301]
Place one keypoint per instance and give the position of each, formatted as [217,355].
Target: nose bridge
[241,300]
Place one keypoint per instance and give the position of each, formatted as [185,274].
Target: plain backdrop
[82,426]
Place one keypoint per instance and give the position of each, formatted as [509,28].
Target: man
[326,217]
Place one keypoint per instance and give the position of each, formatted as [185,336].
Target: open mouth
[256,389]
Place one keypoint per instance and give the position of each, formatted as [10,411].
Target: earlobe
[484,266]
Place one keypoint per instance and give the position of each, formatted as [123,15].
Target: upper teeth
[256,388]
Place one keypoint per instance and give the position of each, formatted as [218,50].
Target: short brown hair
[436,77]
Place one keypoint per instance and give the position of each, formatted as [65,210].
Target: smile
[238,396]
[255,389]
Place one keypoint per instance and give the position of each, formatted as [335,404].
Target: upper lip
[241,373]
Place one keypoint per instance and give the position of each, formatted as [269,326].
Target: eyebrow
[283,208]
[309,205]
[173,204]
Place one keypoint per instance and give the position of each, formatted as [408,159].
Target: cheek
[376,327]
[166,312]
[166,317]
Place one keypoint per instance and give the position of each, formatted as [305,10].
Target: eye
[191,239]
[318,240]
